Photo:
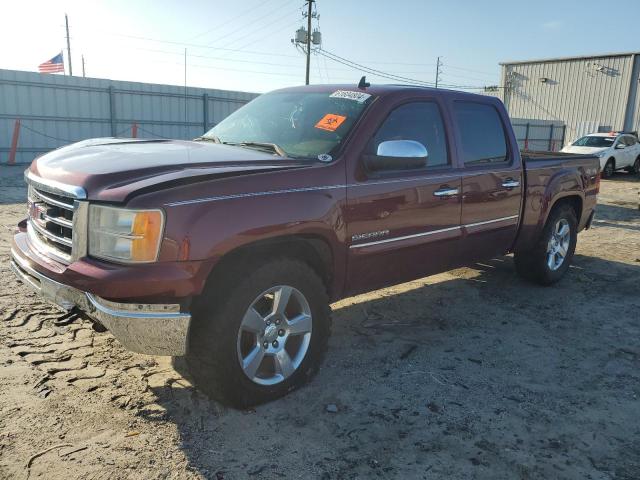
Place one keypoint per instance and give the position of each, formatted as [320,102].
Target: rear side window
[419,121]
[629,140]
[481,133]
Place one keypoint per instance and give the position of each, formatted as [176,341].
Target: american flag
[56,64]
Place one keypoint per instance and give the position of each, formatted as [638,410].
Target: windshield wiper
[210,138]
[277,149]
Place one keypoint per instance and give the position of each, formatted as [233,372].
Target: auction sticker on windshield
[330,122]
[359,97]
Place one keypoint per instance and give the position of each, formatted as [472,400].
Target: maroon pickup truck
[229,248]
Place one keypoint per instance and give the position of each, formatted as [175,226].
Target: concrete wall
[585,94]
[55,110]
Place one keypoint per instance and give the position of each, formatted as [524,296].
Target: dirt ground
[469,374]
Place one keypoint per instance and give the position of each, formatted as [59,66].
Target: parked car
[228,249]
[616,150]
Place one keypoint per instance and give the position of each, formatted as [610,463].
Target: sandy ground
[469,374]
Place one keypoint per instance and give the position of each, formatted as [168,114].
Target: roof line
[577,57]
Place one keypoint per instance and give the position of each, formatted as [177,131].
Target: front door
[403,223]
[491,183]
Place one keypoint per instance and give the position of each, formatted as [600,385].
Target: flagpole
[186,128]
[66,22]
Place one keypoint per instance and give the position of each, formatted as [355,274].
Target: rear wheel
[609,168]
[550,259]
[258,337]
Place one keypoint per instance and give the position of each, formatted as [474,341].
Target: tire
[635,169]
[225,331]
[609,168]
[535,265]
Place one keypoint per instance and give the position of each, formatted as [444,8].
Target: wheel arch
[575,201]
[314,250]
[611,159]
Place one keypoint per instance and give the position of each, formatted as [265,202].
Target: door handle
[446,192]
[510,183]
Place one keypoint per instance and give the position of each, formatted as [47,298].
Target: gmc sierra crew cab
[228,249]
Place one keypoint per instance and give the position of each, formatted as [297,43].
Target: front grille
[50,223]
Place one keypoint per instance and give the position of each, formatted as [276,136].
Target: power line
[250,34]
[233,19]
[247,25]
[192,45]
[391,76]
[380,73]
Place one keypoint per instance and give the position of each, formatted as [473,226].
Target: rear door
[492,180]
[404,223]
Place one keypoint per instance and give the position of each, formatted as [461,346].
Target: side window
[419,121]
[481,133]
[629,140]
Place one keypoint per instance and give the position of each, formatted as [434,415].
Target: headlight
[124,235]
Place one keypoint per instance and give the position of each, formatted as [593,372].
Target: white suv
[616,150]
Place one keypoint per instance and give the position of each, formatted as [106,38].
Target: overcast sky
[245,44]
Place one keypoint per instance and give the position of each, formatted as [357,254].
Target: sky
[246,44]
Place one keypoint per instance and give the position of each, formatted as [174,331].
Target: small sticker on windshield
[325,157]
[359,97]
[330,122]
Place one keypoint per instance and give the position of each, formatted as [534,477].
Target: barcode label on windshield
[359,97]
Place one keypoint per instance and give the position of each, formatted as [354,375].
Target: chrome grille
[52,217]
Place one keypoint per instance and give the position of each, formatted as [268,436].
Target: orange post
[14,143]
[134,130]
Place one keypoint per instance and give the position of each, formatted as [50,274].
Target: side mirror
[620,146]
[398,155]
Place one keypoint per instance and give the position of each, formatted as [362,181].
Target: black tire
[212,355]
[609,168]
[532,264]
[635,170]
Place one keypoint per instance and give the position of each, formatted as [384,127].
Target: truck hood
[583,150]
[113,169]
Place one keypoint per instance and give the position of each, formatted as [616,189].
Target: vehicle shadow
[607,213]
[450,374]
[622,177]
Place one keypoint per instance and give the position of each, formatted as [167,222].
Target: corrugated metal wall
[55,110]
[581,93]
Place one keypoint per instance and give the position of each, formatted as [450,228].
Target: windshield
[593,141]
[301,124]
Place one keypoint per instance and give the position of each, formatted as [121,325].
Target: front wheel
[550,259]
[635,169]
[609,168]
[256,338]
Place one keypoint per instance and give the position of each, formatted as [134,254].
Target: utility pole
[438,72]
[309,4]
[66,22]
[83,75]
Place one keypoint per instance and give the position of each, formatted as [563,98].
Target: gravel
[473,373]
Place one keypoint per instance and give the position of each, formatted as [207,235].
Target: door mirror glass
[399,155]
[402,149]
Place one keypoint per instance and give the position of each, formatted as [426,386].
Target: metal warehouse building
[579,95]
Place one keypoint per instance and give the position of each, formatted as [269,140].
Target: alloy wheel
[274,335]
[558,245]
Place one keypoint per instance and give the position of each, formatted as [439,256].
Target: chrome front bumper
[144,328]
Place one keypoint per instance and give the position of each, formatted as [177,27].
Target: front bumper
[152,329]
